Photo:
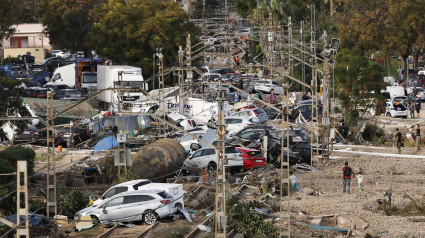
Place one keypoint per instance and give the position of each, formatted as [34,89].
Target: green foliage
[10,96]
[28,10]
[70,201]
[68,22]
[373,134]
[245,7]
[9,158]
[128,32]
[7,18]
[243,220]
[9,60]
[358,83]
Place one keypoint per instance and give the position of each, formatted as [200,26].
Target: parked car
[146,206]
[397,107]
[68,94]
[258,114]
[144,184]
[30,134]
[222,71]
[266,86]
[43,137]
[212,76]
[252,158]
[244,32]
[234,124]
[402,73]
[206,158]
[37,68]
[305,108]
[63,54]
[38,92]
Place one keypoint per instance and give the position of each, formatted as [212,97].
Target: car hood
[87,211]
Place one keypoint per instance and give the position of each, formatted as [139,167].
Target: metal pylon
[284,214]
[220,194]
[51,206]
[22,190]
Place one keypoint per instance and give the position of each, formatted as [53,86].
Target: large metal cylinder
[155,161]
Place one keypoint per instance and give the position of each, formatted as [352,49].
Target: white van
[176,190]
[395,91]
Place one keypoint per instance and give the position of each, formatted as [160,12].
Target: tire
[388,114]
[95,220]
[212,166]
[150,218]
[405,117]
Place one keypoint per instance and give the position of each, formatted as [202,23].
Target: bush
[71,201]
[243,220]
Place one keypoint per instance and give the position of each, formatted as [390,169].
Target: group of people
[416,134]
[415,102]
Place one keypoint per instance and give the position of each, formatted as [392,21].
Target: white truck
[64,75]
[89,82]
[107,77]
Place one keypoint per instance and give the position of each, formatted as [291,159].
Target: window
[132,199]
[231,150]
[56,77]
[109,193]
[259,111]
[121,190]
[233,121]
[115,202]
[247,134]
[208,151]
[186,138]
[197,154]
[164,195]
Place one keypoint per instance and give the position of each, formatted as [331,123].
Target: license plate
[258,160]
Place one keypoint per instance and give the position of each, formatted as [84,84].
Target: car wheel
[388,114]
[95,220]
[212,166]
[150,218]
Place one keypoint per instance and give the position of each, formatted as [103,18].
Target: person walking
[360,181]
[272,97]
[347,173]
[418,103]
[294,182]
[412,109]
[418,138]
[398,140]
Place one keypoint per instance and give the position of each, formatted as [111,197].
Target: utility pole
[314,97]
[326,105]
[270,44]
[161,93]
[181,80]
[284,213]
[121,125]
[302,55]
[51,206]
[291,69]
[188,58]
[22,189]
[220,194]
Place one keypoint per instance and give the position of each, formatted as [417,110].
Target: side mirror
[104,211]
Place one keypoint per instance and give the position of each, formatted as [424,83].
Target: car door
[206,157]
[193,159]
[234,156]
[133,206]
[112,210]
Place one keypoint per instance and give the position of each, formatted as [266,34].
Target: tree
[7,18]
[245,7]
[128,32]
[10,96]
[68,22]
[28,10]
[358,83]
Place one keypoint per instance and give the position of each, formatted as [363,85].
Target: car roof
[132,182]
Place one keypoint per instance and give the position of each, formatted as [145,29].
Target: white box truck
[63,76]
[107,77]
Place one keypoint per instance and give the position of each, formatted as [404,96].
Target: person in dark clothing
[418,138]
[418,103]
[398,140]
[347,173]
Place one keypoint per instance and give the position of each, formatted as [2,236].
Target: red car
[252,158]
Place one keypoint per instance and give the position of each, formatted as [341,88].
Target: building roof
[82,111]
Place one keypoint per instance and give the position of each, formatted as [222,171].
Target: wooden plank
[145,232]
[196,230]
[108,232]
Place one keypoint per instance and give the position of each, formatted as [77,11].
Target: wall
[37,52]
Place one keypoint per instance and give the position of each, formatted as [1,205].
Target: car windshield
[90,77]
[164,195]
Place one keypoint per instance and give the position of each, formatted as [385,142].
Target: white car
[206,158]
[257,114]
[145,206]
[186,141]
[244,32]
[397,107]
[234,124]
[176,190]
[63,54]
[266,86]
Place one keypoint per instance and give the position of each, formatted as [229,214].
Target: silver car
[146,206]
